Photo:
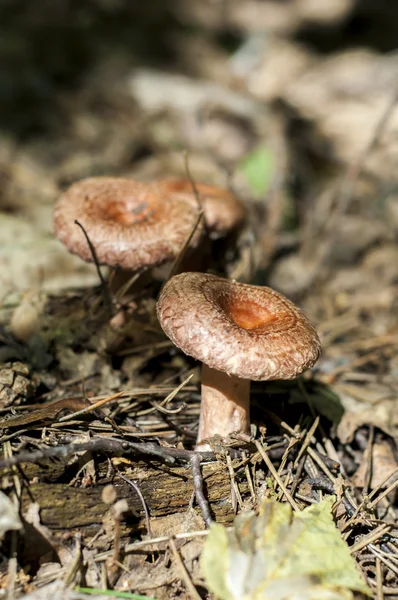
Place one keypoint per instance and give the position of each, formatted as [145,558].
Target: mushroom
[224,217]
[131,225]
[223,212]
[240,332]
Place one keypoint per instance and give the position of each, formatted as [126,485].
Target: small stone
[16,384]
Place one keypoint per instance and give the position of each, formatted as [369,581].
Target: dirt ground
[147,91]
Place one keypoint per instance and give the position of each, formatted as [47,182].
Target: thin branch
[166,454]
[112,445]
[192,182]
[136,487]
[383,495]
[199,220]
[104,285]
[198,486]
[91,408]
[160,406]
[275,475]
[184,573]
[371,537]
[153,541]
[324,484]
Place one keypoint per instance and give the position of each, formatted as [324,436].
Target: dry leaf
[383,464]
[281,555]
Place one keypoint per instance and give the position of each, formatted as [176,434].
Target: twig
[383,495]
[307,499]
[168,399]
[271,467]
[297,476]
[166,454]
[318,460]
[383,559]
[292,442]
[321,483]
[122,291]
[369,466]
[307,440]
[387,591]
[199,219]
[76,562]
[159,540]
[112,445]
[104,285]
[331,463]
[371,537]
[236,497]
[250,483]
[198,487]
[110,593]
[149,391]
[136,487]
[179,258]
[365,501]
[91,408]
[192,182]
[379,579]
[184,573]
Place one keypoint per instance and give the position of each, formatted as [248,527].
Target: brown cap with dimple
[249,331]
[130,224]
[223,212]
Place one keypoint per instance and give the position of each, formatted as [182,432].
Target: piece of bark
[166,490]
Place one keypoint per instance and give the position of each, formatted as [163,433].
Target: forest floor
[293,107]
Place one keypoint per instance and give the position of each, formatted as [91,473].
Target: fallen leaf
[281,555]
[381,413]
[383,465]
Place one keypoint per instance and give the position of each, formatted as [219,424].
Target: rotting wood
[167,490]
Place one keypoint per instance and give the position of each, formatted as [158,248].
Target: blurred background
[290,101]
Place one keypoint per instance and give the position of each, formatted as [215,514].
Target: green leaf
[257,168]
[281,555]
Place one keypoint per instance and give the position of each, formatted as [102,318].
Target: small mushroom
[223,212]
[132,225]
[240,332]
[224,218]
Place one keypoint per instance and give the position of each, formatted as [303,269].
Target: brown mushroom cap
[130,224]
[223,212]
[249,331]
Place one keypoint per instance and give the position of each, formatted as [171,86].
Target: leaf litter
[319,179]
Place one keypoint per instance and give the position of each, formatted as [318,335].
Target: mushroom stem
[225,405]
